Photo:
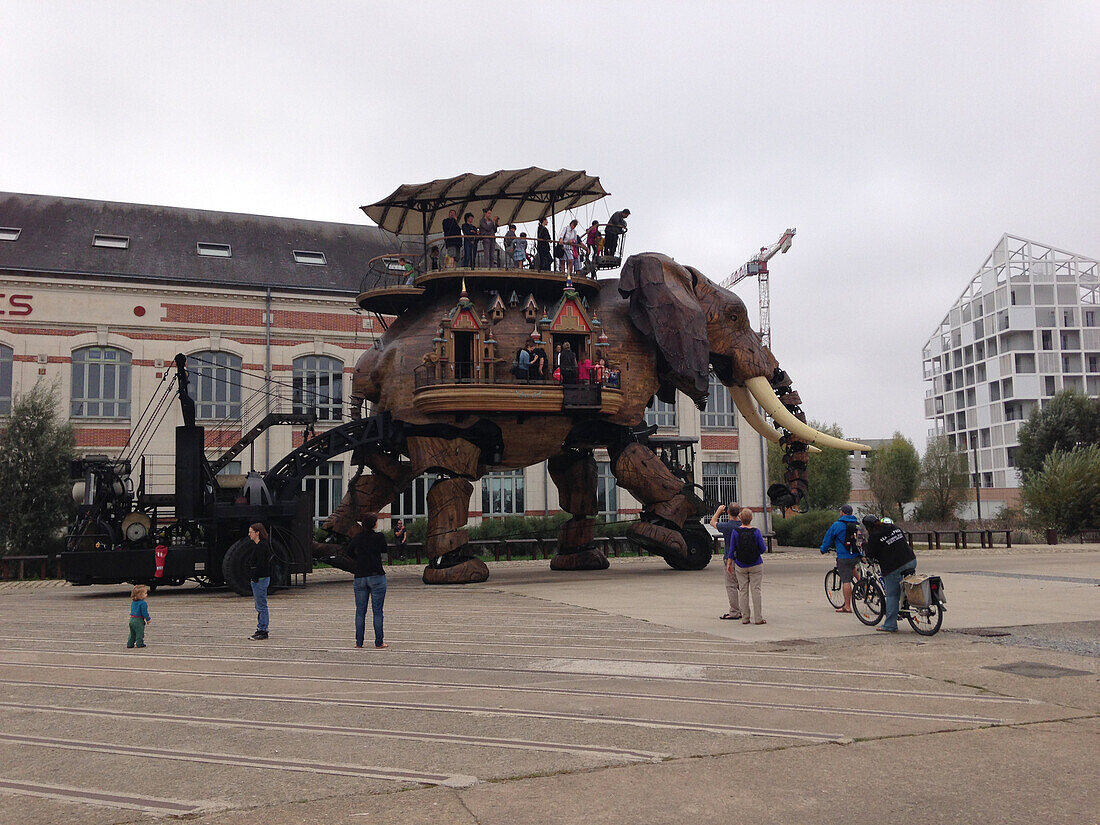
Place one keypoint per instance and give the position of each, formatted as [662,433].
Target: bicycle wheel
[868,602]
[834,589]
[925,620]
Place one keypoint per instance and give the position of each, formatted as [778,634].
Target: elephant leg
[668,526]
[365,494]
[575,475]
[450,560]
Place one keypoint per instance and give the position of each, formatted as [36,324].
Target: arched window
[215,384]
[719,413]
[661,413]
[319,386]
[7,356]
[101,383]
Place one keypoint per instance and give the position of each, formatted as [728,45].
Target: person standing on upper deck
[488,229]
[543,247]
[469,241]
[616,226]
[452,238]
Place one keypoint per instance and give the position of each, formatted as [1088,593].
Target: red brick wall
[101,436]
[718,442]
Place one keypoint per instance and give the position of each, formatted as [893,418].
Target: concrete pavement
[539,697]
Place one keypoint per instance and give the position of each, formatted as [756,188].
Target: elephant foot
[456,568]
[659,540]
[591,559]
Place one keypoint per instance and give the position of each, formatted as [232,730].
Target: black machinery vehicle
[678,454]
[202,526]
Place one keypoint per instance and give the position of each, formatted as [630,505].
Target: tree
[1069,420]
[829,479]
[944,481]
[893,474]
[1065,492]
[35,451]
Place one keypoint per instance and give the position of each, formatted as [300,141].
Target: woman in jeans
[366,548]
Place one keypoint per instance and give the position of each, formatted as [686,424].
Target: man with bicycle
[887,545]
[843,536]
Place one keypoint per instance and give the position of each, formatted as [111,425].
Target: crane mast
[758,265]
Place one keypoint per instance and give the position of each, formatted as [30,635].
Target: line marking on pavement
[243,761]
[691,700]
[881,674]
[255,724]
[376,664]
[92,796]
[542,643]
[1028,576]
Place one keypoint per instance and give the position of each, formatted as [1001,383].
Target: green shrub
[803,529]
[1065,493]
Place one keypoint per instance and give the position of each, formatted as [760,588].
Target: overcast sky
[901,139]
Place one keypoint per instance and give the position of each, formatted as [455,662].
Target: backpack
[747,552]
[851,538]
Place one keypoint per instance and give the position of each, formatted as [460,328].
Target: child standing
[139,615]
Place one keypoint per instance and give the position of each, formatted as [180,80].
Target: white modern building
[1026,326]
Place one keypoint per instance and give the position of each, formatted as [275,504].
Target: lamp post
[977,477]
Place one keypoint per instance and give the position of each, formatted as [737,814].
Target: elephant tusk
[747,407]
[762,391]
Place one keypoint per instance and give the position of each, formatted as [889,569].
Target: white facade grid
[1026,327]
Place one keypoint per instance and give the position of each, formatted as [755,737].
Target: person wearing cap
[840,537]
[728,529]
[887,544]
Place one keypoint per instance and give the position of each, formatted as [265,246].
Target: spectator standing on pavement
[843,536]
[748,564]
[887,545]
[139,616]
[400,534]
[261,578]
[366,548]
[728,529]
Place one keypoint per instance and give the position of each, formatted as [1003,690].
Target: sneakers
[886,629]
[140,645]
[259,636]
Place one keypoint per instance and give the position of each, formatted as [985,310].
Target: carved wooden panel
[453,455]
[640,471]
[575,475]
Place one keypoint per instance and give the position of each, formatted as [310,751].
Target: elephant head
[696,325]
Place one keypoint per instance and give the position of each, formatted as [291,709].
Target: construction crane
[758,265]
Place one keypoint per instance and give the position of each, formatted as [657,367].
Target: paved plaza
[540,697]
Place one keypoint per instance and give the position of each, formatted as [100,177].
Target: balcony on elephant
[395,282]
[465,387]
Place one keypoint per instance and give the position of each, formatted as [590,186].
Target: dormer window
[303,256]
[111,241]
[215,250]
[9,233]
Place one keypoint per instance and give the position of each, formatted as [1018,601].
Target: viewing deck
[437,392]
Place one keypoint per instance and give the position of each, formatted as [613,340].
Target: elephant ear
[665,310]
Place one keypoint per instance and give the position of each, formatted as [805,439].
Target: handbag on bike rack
[922,591]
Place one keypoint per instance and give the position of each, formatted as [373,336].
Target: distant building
[1026,326]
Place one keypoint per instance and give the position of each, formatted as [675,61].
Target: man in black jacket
[616,226]
[543,247]
[452,237]
[888,546]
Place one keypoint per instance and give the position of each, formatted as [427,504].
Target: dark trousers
[372,588]
[545,261]
[137,632]
[469,253]
[611,243]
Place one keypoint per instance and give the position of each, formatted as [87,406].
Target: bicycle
[834,588]
[869,603]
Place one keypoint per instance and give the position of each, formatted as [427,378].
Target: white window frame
[101,383]
[720,413]
[110,241]
[214,250]
[318,385]
[503,494]
[720,483]
[221,378]
[662,414]
[326,487]
[310,258]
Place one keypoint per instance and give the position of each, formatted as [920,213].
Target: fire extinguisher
[159,555]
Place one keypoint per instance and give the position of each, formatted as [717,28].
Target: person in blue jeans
[366,548]
[887,545]
[261,578]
